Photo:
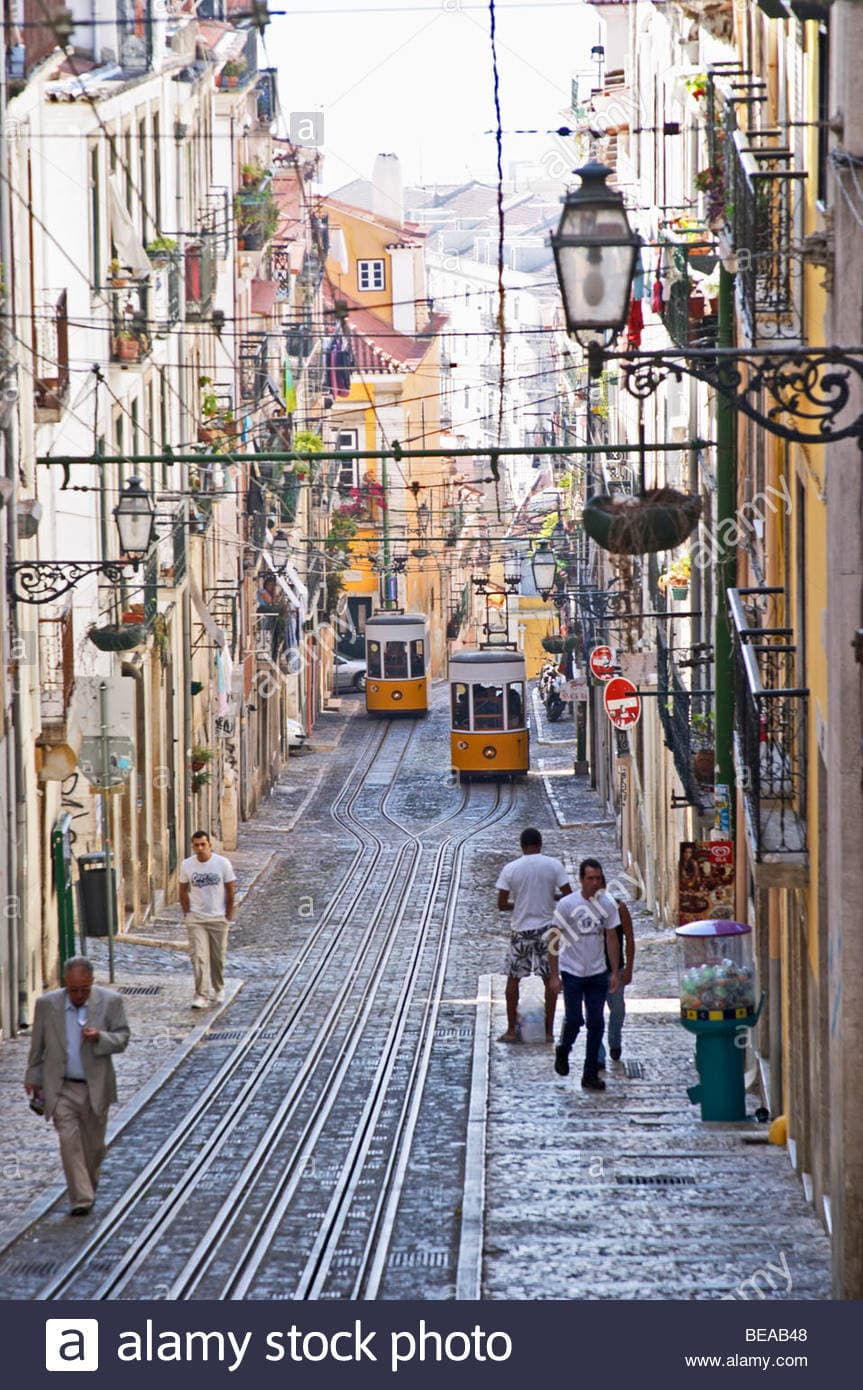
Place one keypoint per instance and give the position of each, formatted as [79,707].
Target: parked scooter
[551,680]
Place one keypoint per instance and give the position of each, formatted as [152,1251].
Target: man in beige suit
[75,1030]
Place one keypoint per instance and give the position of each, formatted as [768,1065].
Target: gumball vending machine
[717,1004]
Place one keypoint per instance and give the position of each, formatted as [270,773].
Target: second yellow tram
[397,656]
[488,731]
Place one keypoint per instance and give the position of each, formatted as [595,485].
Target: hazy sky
[414,78]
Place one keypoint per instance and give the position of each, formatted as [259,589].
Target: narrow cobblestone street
[310,1137]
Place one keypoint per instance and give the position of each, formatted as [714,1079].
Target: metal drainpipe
[17,851]
[726,565]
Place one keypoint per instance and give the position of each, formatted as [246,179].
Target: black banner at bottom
[420,1344]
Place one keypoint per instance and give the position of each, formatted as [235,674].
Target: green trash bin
[717,1005]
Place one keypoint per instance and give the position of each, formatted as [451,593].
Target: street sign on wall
[622,703]
[602,663]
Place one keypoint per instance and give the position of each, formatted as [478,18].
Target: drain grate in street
[635,1070]
[229,1035]
[140,989]
[410,1259]
[654,1180]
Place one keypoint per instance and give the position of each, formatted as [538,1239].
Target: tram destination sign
[622,703]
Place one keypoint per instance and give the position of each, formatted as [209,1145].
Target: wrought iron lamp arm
[42,581]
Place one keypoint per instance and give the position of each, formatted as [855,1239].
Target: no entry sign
[601,663]
[622,703]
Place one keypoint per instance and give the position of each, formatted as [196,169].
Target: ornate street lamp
[595,252]
[135,517]
[512,571]
[280,551]
[42,581]
[544,567]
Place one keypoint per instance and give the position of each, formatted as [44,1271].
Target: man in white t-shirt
[207,883]
[529,888]
[585,923]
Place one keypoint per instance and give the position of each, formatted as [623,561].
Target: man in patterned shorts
[529,888]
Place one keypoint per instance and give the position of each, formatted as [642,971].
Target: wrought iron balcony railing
[130,322]
[253,366]
[771,714]
[763,190]
[51,343]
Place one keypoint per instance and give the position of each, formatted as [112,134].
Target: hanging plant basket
[679,591]
[655,520]
[553,644]
[118,639]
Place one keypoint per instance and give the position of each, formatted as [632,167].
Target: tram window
[515,705]
[396,661]
[460,719]
[418,657]
[373,659]
[488,706]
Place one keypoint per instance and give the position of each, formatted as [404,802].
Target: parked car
[349,673]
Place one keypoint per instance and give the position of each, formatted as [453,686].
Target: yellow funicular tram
[397,657]
[488,732]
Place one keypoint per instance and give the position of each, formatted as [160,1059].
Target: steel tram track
[356,876]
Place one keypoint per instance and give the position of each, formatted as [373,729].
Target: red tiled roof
[378,347]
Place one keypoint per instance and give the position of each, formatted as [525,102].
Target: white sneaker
[219,997]
[199,1002]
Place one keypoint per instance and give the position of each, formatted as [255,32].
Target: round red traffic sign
[622,703]
[601,663]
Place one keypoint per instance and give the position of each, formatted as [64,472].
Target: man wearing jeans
[207,883]
[585,923]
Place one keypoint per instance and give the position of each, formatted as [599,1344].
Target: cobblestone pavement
[552,1150]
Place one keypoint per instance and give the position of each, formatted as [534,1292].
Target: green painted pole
[385,531]
[726,560]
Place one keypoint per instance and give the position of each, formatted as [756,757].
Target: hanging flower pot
[679,591]
[552,644]
[656,520]
[122,638]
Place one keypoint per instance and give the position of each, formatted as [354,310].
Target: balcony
[764,190]
[689,315]
[200,276]
[165,294]
[130,322]
[243,70]
[687,726]
[257,216]
[51,334]
[253,367]
[770,734]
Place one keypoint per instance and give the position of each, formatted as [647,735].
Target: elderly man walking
[207,884]
[69,1070]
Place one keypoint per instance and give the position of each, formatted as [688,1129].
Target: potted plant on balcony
[232,72]
[677,576]
[252,173]
[199,780]
[160,250]
[711,182]
[118,274]
[127,348]
[199,756]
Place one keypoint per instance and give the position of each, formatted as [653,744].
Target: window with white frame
[370,275]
